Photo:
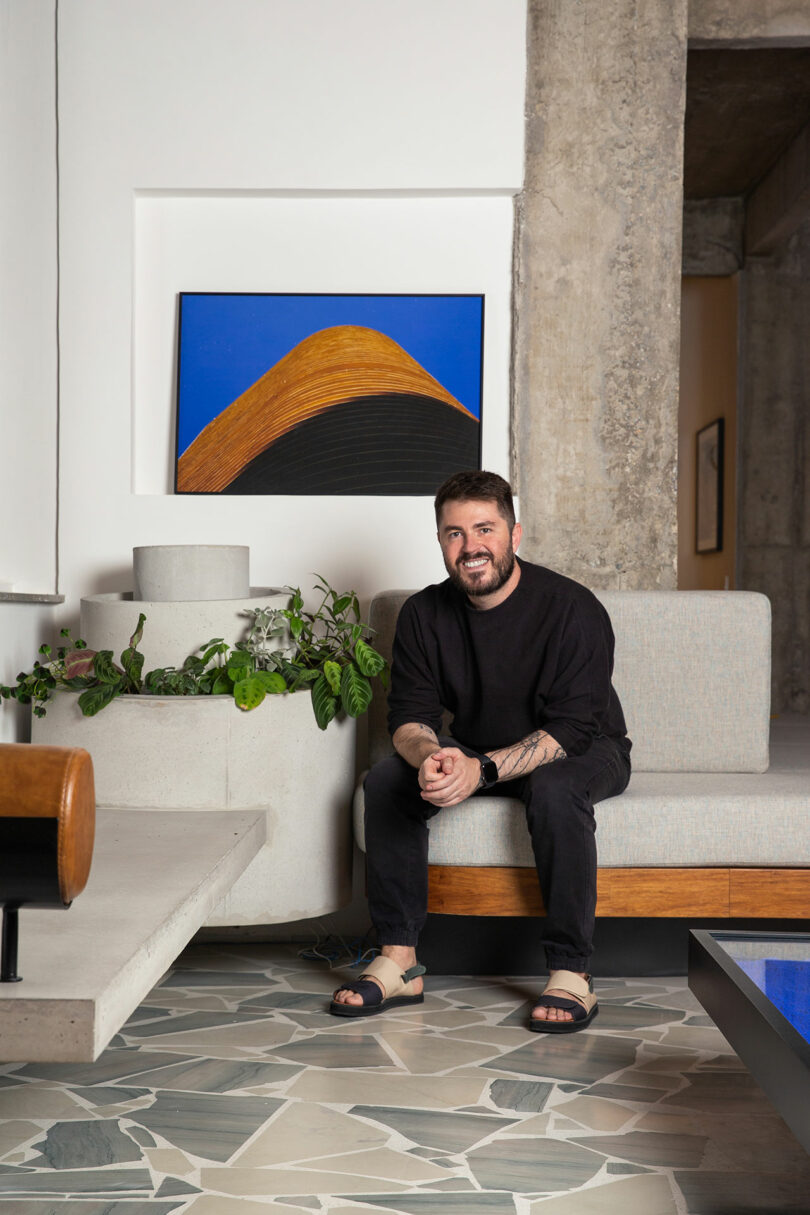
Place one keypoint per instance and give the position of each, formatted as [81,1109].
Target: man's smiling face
[478,547]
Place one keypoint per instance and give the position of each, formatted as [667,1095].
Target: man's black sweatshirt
[542,659]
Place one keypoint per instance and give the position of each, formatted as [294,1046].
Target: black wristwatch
[489,774]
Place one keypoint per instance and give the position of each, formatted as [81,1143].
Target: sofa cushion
[692,670]
[676,819]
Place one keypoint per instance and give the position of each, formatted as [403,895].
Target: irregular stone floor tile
[650,1194]
[207,1124]
[424,1053]
[14,1133]
[87,1145]
[425,1092]
[441,1204]
[213,1204]
[304,1126]
[381,1163]
[742,1193]
[250,1182]
[596,1113]
[455,1132]
[169,1160]
[527,1165]
[646,1147]
[585,1057]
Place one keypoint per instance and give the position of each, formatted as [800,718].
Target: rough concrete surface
[598,266]
[749,22]
[713,236]
[774,526]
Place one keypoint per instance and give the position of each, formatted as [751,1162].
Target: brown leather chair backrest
[52,783]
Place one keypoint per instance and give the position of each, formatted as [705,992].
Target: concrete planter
[203,753]
[172,630]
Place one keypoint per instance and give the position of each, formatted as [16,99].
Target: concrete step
[155,879]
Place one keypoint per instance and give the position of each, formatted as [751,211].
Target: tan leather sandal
[397,985]
[582,1006]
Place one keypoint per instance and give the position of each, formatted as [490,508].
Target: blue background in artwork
[228,341]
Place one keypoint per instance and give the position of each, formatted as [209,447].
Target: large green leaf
[239,666]
[271,681]
[324,703]
[369,660]
[132,662]
[250,692]
[332,672]
[95,699]
[355,691]
[222,685]
[105,668]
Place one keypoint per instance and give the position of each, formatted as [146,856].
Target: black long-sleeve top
[542,659]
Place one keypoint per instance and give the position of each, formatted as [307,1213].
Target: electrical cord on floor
[336,951]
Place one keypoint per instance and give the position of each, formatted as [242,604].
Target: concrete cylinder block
[173,572]
[172,630]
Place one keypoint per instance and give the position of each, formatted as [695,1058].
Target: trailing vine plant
[284,650]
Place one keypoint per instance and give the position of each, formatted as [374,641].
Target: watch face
[489,771]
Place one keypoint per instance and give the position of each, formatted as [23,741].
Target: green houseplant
[328,651]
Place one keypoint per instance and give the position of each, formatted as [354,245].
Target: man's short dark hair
[477,485]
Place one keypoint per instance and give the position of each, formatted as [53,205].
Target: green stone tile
[337,1050]
[78,1181]
[526,1096]
[218,1075]
[174,1185]
[533,1165]
[583,1057]
[111,1065]
[85,1145]
[55,1206]
[635,1016]
[619,1166]
[183,1023]
[217,978]
[207,1124]
[464,1203]
[306,1001]
[109,1095]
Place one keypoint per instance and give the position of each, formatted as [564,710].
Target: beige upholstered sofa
[716,819]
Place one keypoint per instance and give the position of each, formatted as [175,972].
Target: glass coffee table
[755,986]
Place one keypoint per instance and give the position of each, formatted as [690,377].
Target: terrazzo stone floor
[231,1091]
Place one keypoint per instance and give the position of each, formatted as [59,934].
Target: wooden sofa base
[664,892]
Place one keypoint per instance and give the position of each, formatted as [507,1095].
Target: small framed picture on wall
[709,481]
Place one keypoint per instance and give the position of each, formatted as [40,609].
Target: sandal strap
[395,981]
[571,983]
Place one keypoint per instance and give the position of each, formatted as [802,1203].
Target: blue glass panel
[786,983]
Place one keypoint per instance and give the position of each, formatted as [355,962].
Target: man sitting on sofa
[522,658]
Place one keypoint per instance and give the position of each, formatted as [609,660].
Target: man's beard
[500,571]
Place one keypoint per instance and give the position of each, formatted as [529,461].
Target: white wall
[275,145]
[263,145]
[27,297]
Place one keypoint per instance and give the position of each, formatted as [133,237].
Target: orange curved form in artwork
[333,365]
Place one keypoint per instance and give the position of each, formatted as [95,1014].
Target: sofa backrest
[692,670]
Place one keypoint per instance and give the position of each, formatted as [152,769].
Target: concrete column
[774,538]
[598,263]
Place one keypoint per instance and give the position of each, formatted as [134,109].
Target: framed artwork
[327,394]
[709,480]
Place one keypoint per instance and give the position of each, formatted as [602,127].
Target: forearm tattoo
[524,756]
